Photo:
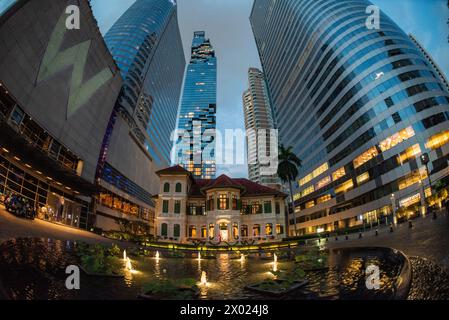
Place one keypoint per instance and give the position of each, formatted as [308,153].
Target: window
[223,201]
[307,191]
[256,208]
[192,232]
[396,139]
[323,182]
[412,178]
[278,207]
[164,230]
[166,187]
[235,205]
[244,230]
[165,206]
[256,230]
[438,140]
[176,231]
[409,153]
[267,208]
[344,187]
[365,157]
[315,173]
[279,229]
[177,206]
[178,187]
[210,203]
[338,174]
[310,204]
[324,198]
[203,232]
[363,178]
[235,230]
[211,230]
[269,229]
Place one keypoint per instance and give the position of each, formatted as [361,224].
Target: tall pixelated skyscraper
[261,133]
[195,147]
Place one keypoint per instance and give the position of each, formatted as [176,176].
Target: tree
[288,171]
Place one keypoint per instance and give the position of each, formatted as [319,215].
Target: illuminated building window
[203,232]
[365,157]
[307,191]
[192,232]
[344,187]
[297,196]
[409,153]
[323,182]
[438,140]
[407,202]
[338,174]
[269,229]
[315,173]
[396,139]
[363,178]
[324,198]
[413,178]
[211,230]
[235,230]
[279,229]
[223,202]
[310,204]
[256,230]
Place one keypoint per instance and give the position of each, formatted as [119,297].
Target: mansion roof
[199,186]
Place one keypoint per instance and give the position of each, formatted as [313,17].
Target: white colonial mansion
[222,210]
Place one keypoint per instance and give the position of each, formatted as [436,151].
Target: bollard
[346,237]
[410,224]
[434,216]
[391,228]
[377,232]
[360,235]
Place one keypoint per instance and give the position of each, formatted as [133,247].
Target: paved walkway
[14,227]
[428,238]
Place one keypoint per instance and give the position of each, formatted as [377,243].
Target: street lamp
[425,161]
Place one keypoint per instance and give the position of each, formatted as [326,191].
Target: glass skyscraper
[359,105]
[146,45]
[195,147]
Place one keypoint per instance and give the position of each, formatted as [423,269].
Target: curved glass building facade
[147,47]
[360,106]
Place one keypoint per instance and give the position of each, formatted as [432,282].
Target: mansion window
[267,208]
[165,206]
[234,202]
[177,206]
[192,232]
[211,230]
[164,230]
[166,187]
[176,231]
[244,230]
[256,208]
[279,229]
[178,187]
[278,207]
[235,230]
[203,232]
[210,203]
[223,202]
[256,230]
[269,229]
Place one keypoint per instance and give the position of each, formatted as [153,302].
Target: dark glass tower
[359,106]
[197,117]
[146,44]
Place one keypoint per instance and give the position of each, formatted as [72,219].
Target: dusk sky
[226,23]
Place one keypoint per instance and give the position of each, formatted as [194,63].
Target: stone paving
[428,238]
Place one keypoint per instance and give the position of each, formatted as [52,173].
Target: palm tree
[288,171]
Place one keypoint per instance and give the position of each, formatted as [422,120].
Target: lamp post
[425,159]
[393,204]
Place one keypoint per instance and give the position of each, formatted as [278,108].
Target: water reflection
[35,269]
